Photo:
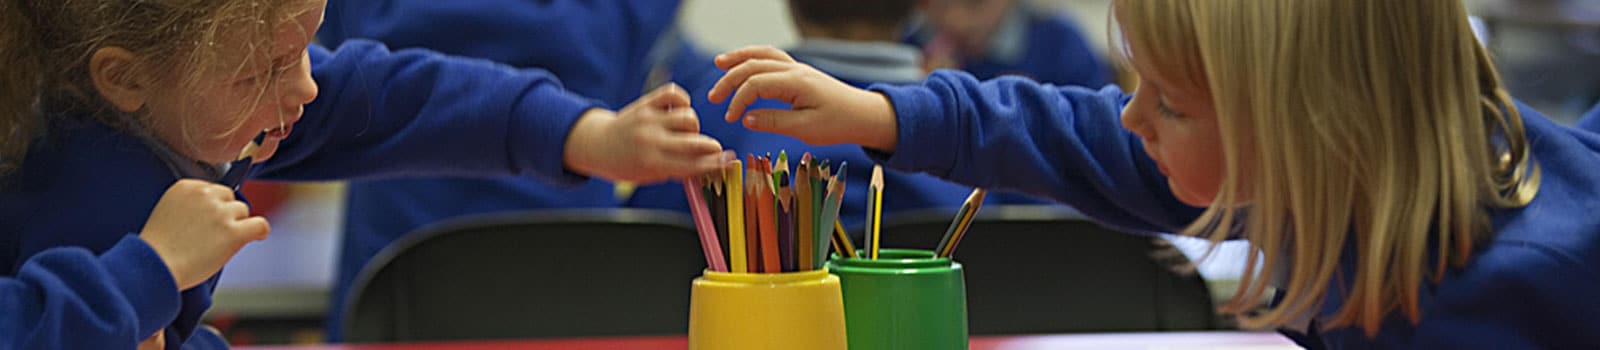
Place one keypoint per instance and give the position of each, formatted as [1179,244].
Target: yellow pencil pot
[740,311]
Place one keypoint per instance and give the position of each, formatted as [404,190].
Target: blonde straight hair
[1375,125]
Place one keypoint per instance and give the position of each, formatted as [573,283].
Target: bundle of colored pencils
[767,218]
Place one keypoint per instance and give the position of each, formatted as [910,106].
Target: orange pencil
[752,219]
[769,221]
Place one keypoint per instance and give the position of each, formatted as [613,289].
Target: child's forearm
[579,153]
[879,128]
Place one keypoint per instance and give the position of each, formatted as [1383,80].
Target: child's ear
[112,69]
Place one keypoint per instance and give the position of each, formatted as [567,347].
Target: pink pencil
[702,222]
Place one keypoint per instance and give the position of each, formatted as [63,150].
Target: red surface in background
[265,197]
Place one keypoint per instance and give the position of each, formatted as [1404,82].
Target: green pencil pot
[905,300]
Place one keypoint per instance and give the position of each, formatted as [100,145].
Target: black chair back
[531,274]
[1045,269]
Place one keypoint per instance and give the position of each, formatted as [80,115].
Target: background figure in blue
[1547,50]
[856,42]
[991,38]
[600,49]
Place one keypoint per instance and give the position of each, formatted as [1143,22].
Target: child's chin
[268,149]
[1189,197]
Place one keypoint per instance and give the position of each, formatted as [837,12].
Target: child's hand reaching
[197,226]
[652,139]
[824,110]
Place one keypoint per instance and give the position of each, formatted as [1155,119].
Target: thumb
[255,228]
[666,97]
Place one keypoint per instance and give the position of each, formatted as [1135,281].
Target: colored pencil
[805,215]
[752,217]
[787,240]
[963,219]
[874,211]
[830,210]
[734,176]
[711,187]
[770,258]
[841,240]
[702,222]
[818,200]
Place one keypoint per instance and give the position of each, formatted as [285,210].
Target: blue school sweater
[77,276]
[1042,45]
[600,49]
[1590,120]
[1532,286]
[856,63]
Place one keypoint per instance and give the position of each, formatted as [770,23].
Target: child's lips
[282,131]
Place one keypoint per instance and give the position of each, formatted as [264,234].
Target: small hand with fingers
[197,227]
[653,139]
[824,110]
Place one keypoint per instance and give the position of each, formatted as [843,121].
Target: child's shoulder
[1560,222]
[79,162]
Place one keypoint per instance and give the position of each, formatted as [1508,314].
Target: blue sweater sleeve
[68,298]
[415,112]
[1064,143]
[600,48]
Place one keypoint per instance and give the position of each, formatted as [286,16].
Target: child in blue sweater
[993,38]
[1399,198]
[854,42]
[600,49]
[120,117]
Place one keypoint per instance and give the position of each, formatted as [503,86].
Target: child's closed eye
[1166,110]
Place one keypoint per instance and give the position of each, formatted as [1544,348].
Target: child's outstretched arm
[414,112]
[1065,143]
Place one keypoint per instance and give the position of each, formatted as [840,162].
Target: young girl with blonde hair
[1397,195]
[118,118]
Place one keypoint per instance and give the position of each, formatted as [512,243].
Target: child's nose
[302,91]
[1134,120]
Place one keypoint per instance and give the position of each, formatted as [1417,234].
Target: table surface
[1098,341]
